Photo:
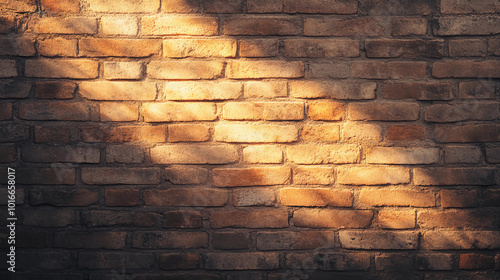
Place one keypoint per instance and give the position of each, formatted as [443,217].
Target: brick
[106,218]
[362,133]
[223,6]
[493,155]
[180,6]
[63,197]
[8,68]
[464,240]
[261,25]
[108,260]
[12,133]
[263,110]
[103,90]
[257,176]
[254,197]
[54,111]
[114,176]
[127,6]
[188,133]
[401,155]
[262,154]
[46,176]
[123,134]
[124,154]
[380,175]
[201,90]
[462,112]
[251,219]
[6,111]
[393,262]
[74,154]
[458,198]
[326,111]
[44,134]
[467,133]
[404,26]
[173,261]
[66,25]
[186,197]
[230,240]
[90,240]
[404,48]
[256,133]
[119,25]
[327,48]
[172,111]
[305,175]
[179,48]
[179,25]
[453,176]
[8,23]
[370,69]
[467,47]
[48,260]
[475,261]
[9,152]
[462,154]
[114,70]
[316,197]
[258,47]
[466,25]
[329,262]
[418,91]
[118,112]
[57,47]
[379,240]
[55,90]
[405,132]
[494,46]
[317,6]
[264,6]
[329,70]
[48,217]
[242,261]
[93,47]
[185,70]
[321,133]
[264,69]
[328,218]
[14,89]
[466,69]
[61,68]
[286,240]
[351,27]
[455,219]
[265,89]
[397,8]
[122,197]
[466,7]
[34,238]
[307,154]
[194,154]
[17,47]
[434,262]
[476,90]
[384,197]
[186,175]
[182,219]
[334,90]
[384,111]
[396,219]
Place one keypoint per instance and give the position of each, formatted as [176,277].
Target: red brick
[352,27]
[435,262]
[419,91]
[194,154]
[111,261]
[463,239]
[455,219]
[123,134]
[254,197]
[62,68]
[173,261]
[66,25]
[258,176]
[182,219]
[467,47]
[384,111]
[286,240]
[466,69]
[309,154]
[242,261]
[184,70]
[105,218]
[329,70]
[75,154]
[476,110]
[126,6]
[371,69]
[261,25]
[466,25]
[327,48]
[46,176]
[250,219]
[8,152]
[404,48]
[327,261]
[475,261]
[188,133]
[264,6]
[124,154]
[467,133]
[64,197]
[230,240]
[170,240]
[316,197]
[17,47]
[326,111]
[55,90]
[48,217]
[5,111]
[118,47]
[458,198]
[398,7]
[396,219]
[186,197]
[306,175]
[402,155]
[44,134]
[406,133]
[186,175]
[404,26]
[14,89]
[12,132]
[90,240]
[255,133]
[466,7]
[57,6]
[454,176]
[122,197]
[258,47]
[477,90]
[179,25]
[327,218]
[367,175]
[119,175]
[462,154]
[180,6]
[178,275]
[334,90]
[321,133]
[379,240]
[397,197]
[318,6]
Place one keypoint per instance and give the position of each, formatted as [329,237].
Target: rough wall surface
[251,139]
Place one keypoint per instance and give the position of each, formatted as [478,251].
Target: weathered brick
[12,132]
[48,217]
[405,132]
[179,25]
[127,6]
[57,47]
[186,175]
[176,111]
[316,154]
[123,134]
[8,68]
[462,154]
[458,198]
[75,154]
[8,23]
[250,219]
[368,175]
[259,133]
[393,262]
[119,25]
[401,155]
[46,176]
[9,152]
[185,70]
[384,111]
[329,70]
[397,197]
[455,219]
[466,25]
[476,110]
[466,69]
[371,69]
[493,155]
[106,218]
[124,154]
[188,133]
[326,111]
[434,262]
[254,197]
[328,218]
[321,133]
[265,89]
[44,134]
[222,6]
[396,219]
[465,7]
[321,48]
[419,91]
[264,6]
[107,260]
[90,240]
[120,70]
[263,110]
[61,68]
[119,175]
[257,176]
[48,260]
[361,133]
[261,25]
[467,47]
[34,238]
[118,112]
[467,133]
[66,25]
[5,111]
[392,240]
[230,240]
[262,154]
[318,6]
[55,90]
[242,261]
[404,48]
[178,48]
[201,90]
[122,197]
[54,111]
[180,6]
[454,176]
[194,154]
[494,46]
[17,46]
[186,197]
[327,261]
[286,240]
[334,90]
[398,7]
[352,27]
[93,47]
[475,261]
[264,69]
[316,197]
[463,239]
[403,26]
[182,219]
[14,89]
[63,197]
[305,175]
[173,261]
[258,47]
[476,90]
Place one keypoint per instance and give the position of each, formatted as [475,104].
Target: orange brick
[194,154]
[326,111]
[321,48]
[176,111]
[54,111]
[403,26]
[123,134]
[462,239]
[316,197]
[93,47]
[334,90]
[329,218]
[399,111]
[466,69]
[57,47]
[262,154]
[126,6]
[57,6]
[401,155]
[258,48]
[103,90]
[179,25]
[180,6]
[254,197]
[185,70]
[264,6]
[263,110]
[308,175]
[258,176]
[405,132]
[67,25]
[118,112]
[261,25]
[368,175]
[255,133]
[321,133]
[362,133]
[250,219]
[396,219]
[114,70]
[264,69]
[201,90]
[458,198]
[186,175]
[178,48]
[267,89]
[455,219]
[119,25]
[17,46]
[188,133]
[61,68]
[396,197]
[316,154]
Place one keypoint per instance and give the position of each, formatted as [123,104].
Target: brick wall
[251,139]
